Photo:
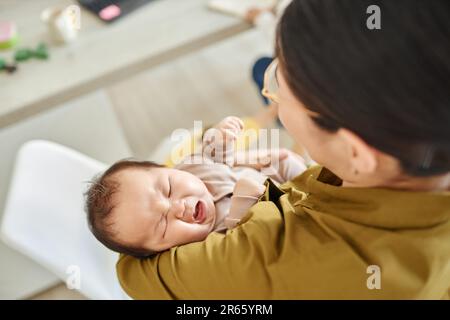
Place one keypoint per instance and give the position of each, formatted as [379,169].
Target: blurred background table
[156,33]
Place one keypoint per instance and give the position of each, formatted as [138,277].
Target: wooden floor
[208,85]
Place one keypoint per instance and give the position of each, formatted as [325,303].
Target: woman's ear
[362,157]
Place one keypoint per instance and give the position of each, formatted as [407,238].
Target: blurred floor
[208,85]
[58,292]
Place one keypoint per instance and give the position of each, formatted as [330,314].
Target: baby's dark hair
[99,206]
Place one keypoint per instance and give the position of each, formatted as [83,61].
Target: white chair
[44,217]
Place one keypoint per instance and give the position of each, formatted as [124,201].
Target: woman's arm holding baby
[224,266]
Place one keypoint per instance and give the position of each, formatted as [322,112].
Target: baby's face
[159,208]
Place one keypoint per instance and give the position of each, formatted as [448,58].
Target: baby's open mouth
[200,212]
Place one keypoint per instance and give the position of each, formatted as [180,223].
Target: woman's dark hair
[391,86]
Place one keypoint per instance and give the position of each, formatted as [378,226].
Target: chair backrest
[44,217]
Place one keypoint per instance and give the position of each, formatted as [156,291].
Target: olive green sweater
[311,239]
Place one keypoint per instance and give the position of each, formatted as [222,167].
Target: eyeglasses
[271,86]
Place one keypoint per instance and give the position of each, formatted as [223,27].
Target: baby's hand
[248,188]
[230,127]
[218,142]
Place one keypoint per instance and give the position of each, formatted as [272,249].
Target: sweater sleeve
[286,169]
[246,193]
